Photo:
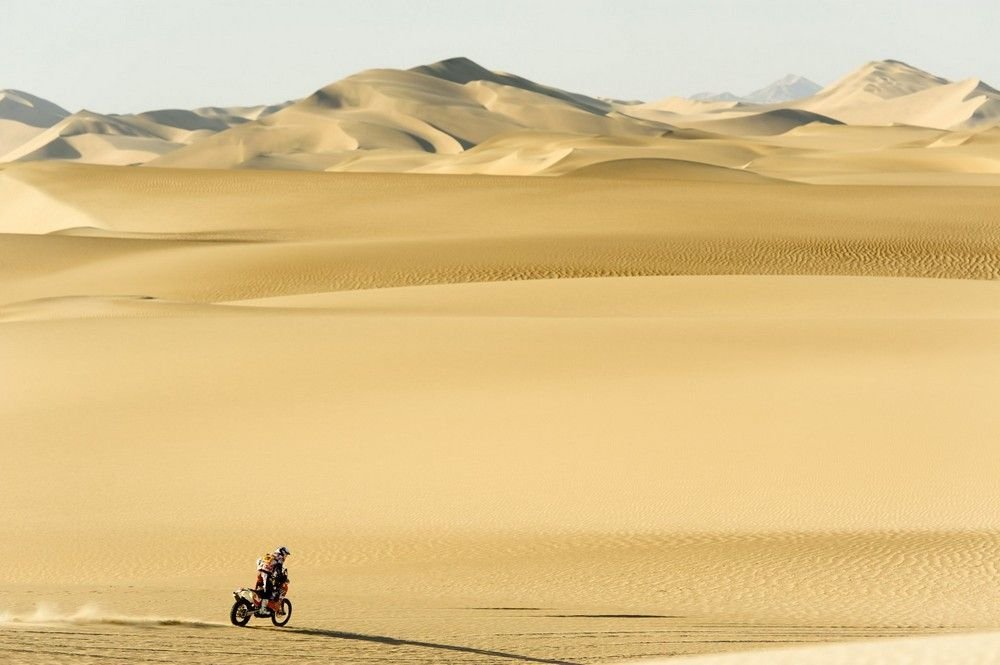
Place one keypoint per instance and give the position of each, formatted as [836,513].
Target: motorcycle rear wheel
[286,605]
[241,613]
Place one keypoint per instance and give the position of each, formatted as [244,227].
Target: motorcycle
[249,604]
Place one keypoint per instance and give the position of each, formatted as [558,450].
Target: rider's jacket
[266,564]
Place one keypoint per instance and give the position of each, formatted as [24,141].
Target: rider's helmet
[283,551]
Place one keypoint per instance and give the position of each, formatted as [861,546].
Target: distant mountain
[786,89]
[716,97]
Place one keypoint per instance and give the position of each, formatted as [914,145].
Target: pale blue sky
[132,55]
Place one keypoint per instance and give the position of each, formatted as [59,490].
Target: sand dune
[880,79]
[228,237]
[670,400]
[23,116]
[682,106]
[22,107]
[463,70]
[697,498]
[48,132]
[766,123]
[443,109]
[892,92]
[673,452]
[79,136]
[457,117]
[208,236]
[674,170]
[13,134]
[694,347]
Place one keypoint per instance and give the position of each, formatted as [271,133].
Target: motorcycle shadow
[393,641]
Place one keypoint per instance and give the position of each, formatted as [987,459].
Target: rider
[271,576]
[280,578]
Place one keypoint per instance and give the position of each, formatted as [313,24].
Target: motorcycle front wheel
[286,605]
[241,613]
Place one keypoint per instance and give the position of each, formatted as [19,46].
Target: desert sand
[728,386]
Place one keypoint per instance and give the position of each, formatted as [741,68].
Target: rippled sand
[580,419]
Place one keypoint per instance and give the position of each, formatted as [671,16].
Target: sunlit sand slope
[598,449]
[211,236]
[466,388]
[889,92]
[744,415]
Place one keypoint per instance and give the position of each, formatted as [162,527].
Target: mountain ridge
[429,116]
[788,88]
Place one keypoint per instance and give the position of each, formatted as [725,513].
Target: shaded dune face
[766,123]
[18,106]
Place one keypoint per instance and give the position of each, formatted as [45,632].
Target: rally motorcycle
[249,604]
